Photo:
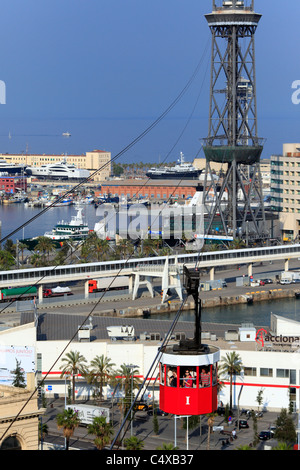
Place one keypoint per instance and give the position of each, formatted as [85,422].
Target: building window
[282,373]
[264,372]
[250,371]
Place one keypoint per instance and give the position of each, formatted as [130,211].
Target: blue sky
[104,70]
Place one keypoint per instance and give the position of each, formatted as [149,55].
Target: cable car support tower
[236,208]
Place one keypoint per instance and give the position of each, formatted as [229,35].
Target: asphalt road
[143,429]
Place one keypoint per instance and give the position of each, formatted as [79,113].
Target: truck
[28,293]
[287,277]
[108,283]
[86,413]
[125,332]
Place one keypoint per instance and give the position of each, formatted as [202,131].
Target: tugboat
[183,170]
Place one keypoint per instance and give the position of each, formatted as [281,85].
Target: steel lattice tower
[232,138]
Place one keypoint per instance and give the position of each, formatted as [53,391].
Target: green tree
[99,373]
[259,397]
[285,428]
[102,430]
[231,365]
[133,443]
[68,421]
[283,446]
[45,246]
[19,376]
[43,431]
[255,429]
[155,423]
[6,260]
[127,378]
[75,364]
[167,446]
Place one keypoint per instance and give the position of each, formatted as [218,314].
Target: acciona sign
[262,337]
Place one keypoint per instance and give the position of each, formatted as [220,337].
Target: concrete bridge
[150,267]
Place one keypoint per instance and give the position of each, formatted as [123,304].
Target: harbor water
[13,216]
[258,313]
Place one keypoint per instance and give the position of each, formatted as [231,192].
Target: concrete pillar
[130,284]
[212,274]
[40,294]
[286,264]
[250,265]
[86,289]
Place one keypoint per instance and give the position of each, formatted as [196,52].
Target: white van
[285,281]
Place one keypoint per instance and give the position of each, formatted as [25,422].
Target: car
[285,281]
[265,435]
[158,412]
[243,423]
[140,407]
[267,281]
[221,410]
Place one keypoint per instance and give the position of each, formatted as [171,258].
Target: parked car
[139,406]
[221,410]
[285,281]
[267,281]
[157,411]
[265,435]
[243,423]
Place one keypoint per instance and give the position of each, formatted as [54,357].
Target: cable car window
[187,377]
[172,380]
[204,379]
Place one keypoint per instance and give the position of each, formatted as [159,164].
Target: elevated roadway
[86,271]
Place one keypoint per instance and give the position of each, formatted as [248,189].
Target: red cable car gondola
[188,371]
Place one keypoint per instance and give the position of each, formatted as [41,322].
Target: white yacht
[11,168]
[59,171]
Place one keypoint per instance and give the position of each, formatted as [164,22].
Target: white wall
[275,390]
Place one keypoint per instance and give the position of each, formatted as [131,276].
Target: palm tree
[283,446]
[231,365]
[166,446]
[102,430]
[133,443]
[210,422]
[127,378]
[68,420]
[75,364]
[100,371]
[46,246]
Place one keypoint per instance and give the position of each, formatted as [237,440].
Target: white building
[271,359]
